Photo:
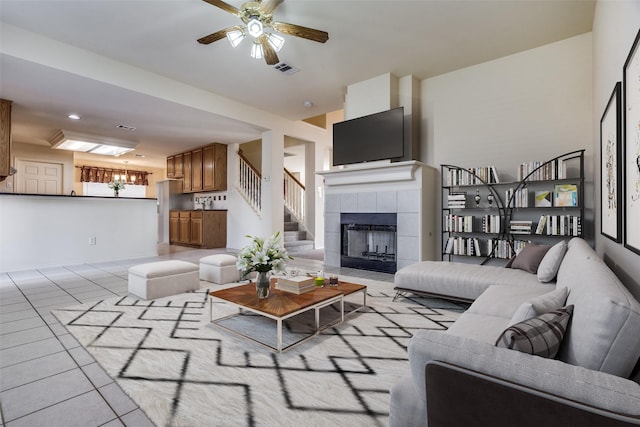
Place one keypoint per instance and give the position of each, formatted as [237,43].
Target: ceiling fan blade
[268,6]
[270,55]
[225,6]
[214,37]
[300,31]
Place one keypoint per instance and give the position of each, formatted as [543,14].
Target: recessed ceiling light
[74,116]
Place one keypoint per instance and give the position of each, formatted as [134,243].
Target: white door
[38,177]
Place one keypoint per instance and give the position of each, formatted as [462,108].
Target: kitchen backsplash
[213,200]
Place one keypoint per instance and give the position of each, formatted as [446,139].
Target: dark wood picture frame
[631,93]
[611,167]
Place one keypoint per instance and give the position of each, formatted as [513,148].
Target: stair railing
[294,196]
[250,184]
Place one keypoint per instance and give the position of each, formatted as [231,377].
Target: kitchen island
[52,230]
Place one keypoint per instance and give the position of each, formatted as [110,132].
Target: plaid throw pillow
[541,335]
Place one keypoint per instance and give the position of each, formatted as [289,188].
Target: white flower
[263,255]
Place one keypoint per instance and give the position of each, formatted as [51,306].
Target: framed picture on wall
[611,167]
[631,79]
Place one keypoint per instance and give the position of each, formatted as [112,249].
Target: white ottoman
[220,269]
[163,278]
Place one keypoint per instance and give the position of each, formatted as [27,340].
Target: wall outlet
[92,240]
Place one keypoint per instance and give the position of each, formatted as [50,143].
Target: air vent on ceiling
[125,127]
[285,68]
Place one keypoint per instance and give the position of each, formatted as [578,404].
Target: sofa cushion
[480,327]
[540,336]
[541,304]
[502,301]
[529,257]
[460,280]
[548,268]
[605,327]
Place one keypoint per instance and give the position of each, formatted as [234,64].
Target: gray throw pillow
[541,304]
[540,336]
[548,268]
[529,257]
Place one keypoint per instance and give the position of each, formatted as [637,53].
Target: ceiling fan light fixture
[275,41]
[235,37]
[255,28]
[256,50]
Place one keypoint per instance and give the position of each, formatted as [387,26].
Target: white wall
[44,231]
[615,26]
[371,96]
[533,105]
[529,106]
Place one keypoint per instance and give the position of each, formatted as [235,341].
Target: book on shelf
[296,280]
[457,200]
[467,246]
[491,224]
[472,176]
[542,171]
[520,227]
[565,195]
[541,224]
[559,225]
[295,289]
[458,223]
[543,199]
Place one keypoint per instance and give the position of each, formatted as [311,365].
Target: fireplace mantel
[372,173]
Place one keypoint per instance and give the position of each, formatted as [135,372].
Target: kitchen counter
[75,197]
[40,230]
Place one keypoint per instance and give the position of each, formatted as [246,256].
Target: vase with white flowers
[263,256]
[116,186]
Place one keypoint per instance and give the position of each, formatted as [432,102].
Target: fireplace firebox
[368,241]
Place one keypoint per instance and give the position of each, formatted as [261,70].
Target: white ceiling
[366,39]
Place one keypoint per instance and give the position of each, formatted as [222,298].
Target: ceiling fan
[259,24]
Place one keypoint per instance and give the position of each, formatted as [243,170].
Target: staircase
[250,187]
[295,237]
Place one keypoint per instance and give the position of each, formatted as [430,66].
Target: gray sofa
[460,377]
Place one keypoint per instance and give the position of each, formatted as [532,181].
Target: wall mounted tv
[378,136]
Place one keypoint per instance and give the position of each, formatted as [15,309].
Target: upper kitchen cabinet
[202,169]
[196,170]
[214,162]
[171,167]
[186,168]
[5,139]
[179,165]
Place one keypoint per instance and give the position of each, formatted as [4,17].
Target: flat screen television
[378,136]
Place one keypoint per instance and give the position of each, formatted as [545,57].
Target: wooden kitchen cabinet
[214,166]
[174,227]
[185,227]
[203,229]
[197,237]
[202,169]
[171,167]
[5,138]
[196,170]
[186,167]
[178,161]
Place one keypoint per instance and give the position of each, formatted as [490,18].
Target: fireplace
[368,241]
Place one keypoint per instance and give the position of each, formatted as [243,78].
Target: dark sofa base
[460,397]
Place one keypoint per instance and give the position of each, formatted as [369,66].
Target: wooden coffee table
[283,305]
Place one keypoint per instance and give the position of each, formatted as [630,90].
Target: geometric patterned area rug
[182,370]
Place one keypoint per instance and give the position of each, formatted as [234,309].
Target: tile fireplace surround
[405,188]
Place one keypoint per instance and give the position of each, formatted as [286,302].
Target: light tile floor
[46,377]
